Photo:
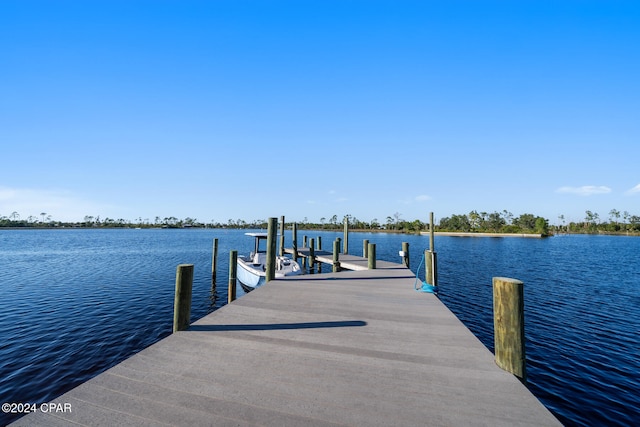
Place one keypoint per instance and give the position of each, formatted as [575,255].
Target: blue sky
[220,110]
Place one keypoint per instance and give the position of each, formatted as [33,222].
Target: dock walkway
[354,348]
[347,262]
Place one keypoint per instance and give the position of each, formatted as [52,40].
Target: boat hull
[252,275]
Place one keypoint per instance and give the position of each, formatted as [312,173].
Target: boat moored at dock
[252,268]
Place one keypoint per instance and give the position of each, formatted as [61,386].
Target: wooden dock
[354,348]
[347,262]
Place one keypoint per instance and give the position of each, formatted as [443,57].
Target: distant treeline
[474,221]
[495,222]
[617,223]
[506,222]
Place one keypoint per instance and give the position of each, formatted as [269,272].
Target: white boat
[252,269]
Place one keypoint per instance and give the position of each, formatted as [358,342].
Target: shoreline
[423,233]
[468,234]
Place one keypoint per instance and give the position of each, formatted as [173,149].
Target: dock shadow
[277,326]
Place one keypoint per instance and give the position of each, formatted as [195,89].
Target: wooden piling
[345,249]
[431,233]
[405,254]
[312,256]
[233,276]
[214,263]
[372,256]
[319,248]
[508,326]
[182,300]
[281,249]
[271,249]
[294,241]
[365,248]
[305,242]
[336,255]
[430,257]
[431,267]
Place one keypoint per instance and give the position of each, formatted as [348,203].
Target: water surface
[76,302]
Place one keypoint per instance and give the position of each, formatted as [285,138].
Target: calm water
[75,302]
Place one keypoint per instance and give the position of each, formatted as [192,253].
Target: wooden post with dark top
[508,326]
[182,300]
[271,249]
[233,276]
[405,254]
[281,249]
[336,255]
[365,248]
[345,248]
[372,256]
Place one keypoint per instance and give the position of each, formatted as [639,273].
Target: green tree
[526,222]
[626,215]
[455,223]
[417,225]
[474,220]
[389,223]
[542,226]
[396,217]
[614,215]
[508,216]
[495,221]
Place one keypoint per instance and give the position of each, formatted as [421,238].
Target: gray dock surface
[347,261]
[355,348]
